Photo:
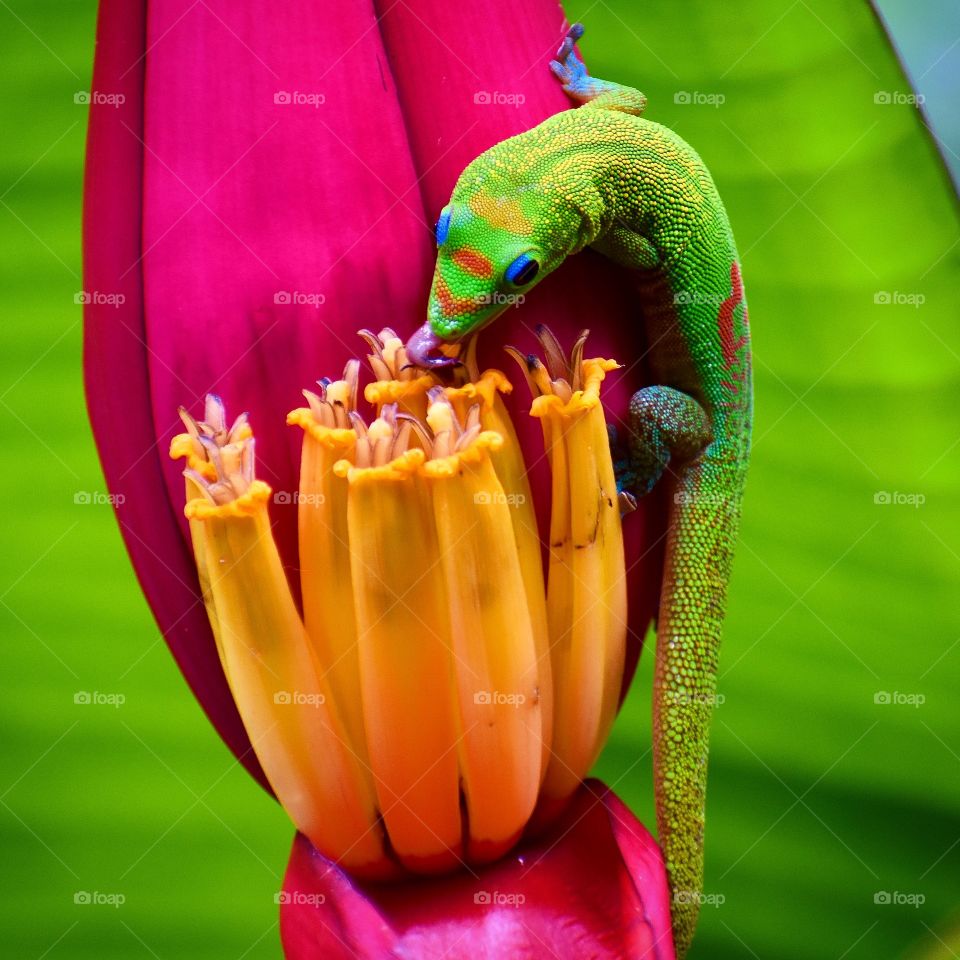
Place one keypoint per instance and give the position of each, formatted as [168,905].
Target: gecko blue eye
[522,270]
[443,227]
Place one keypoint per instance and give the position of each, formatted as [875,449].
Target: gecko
[601,176]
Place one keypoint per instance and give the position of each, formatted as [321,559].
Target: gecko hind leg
[591,91]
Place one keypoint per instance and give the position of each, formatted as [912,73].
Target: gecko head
[493,247]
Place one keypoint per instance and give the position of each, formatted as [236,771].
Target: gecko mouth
[424,349]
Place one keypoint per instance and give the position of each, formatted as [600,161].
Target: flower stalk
[586,580]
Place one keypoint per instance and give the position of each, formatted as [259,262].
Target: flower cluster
[433,696]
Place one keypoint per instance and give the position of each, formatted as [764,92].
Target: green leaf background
[821,798]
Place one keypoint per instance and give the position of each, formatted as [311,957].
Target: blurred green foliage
[823,798]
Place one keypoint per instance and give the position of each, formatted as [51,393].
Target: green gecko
[600,176]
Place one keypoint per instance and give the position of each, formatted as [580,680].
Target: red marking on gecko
[728,343]
[450,305]
[473,262]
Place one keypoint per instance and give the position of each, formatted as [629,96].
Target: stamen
[331,406]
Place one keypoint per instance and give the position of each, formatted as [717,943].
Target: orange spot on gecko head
[450,305]
[503,212]
[473,262]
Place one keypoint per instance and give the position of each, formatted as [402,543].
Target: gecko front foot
[567,68]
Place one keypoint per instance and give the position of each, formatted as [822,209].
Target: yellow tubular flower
[409,709]
[487,390]
[396,381]
[324,542]
[586,592]
[195,446]
[494,646]
[287,707]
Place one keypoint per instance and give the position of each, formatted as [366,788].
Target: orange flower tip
[214,423]
[558,382]
[204,439]
[482,388]
[334,438]
[388,356]
[246,504]
[489,851]
[224,470]
[333,402]
[396,390]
